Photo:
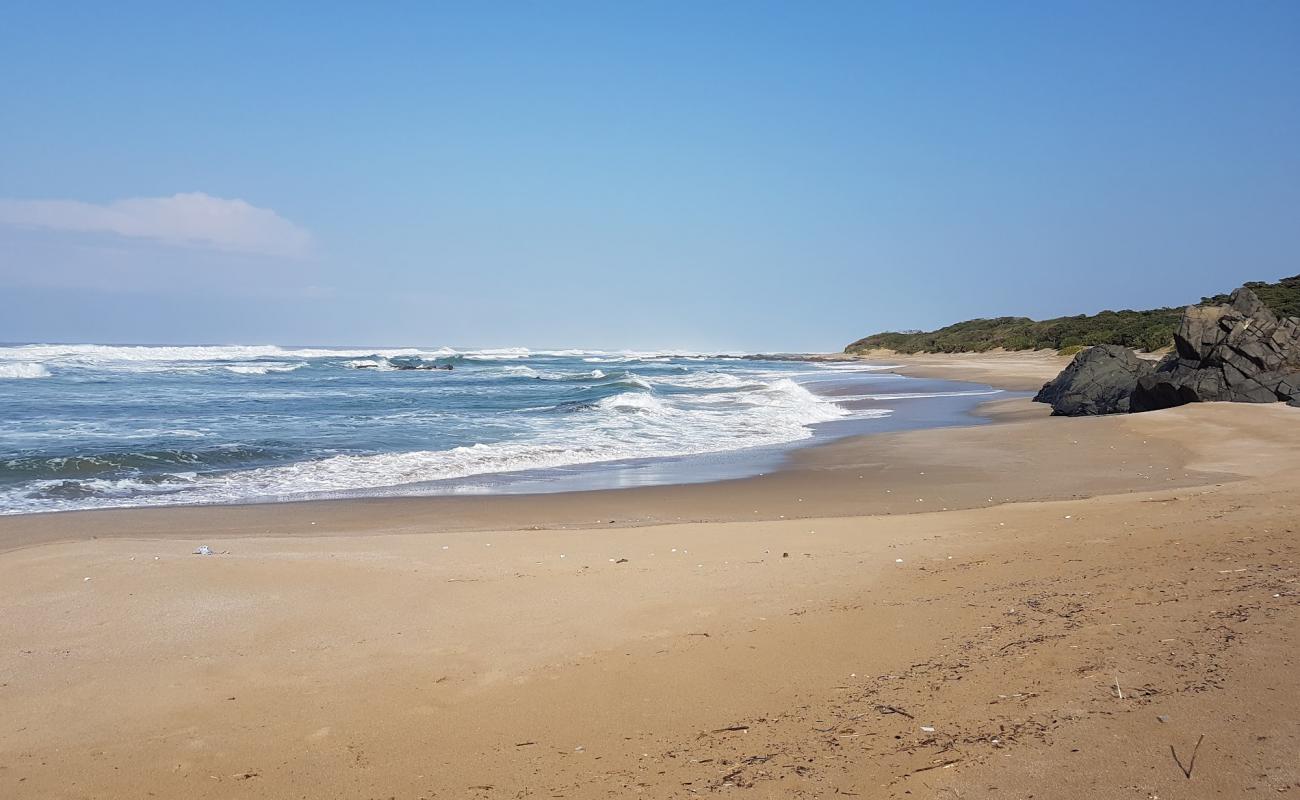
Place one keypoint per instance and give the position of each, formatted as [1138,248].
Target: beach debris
[884,709]
[1118,691]
[898,561]
[203,550]
[83,580]
[621,561]
[785,555]
[1161,718]
[1191,763]
[928,728]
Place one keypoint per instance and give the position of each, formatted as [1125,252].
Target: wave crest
[22,369]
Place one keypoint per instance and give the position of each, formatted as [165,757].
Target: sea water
[97,426]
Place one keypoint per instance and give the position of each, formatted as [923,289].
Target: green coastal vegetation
[1141,330]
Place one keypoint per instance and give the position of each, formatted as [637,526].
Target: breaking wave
[23,370]
[132,425]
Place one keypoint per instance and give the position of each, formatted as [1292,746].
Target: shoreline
[827,476]
[861,401]
[989,587]
[244,515]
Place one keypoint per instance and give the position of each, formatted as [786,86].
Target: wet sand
[1040,606]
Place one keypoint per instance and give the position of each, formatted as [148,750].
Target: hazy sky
[633,174]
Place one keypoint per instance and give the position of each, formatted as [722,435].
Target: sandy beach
[1037,607]
[1023,371]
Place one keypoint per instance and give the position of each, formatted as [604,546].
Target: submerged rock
[1100,380]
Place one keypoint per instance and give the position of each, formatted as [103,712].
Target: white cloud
[193,219]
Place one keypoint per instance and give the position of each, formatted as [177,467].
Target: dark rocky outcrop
[1100,380]
[1240,352]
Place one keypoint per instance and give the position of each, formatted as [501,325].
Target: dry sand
[1026,370]
[1097,592]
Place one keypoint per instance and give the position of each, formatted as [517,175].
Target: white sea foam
[635,401]
[635,380]
[498,353]
[630,425]
[650,356]
[633,424]
[369,363]
[519,369]
[660,410]
[262,368]
[712,380]
[22,369]
[132,358]
[156,358]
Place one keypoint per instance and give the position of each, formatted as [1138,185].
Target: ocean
[99,426]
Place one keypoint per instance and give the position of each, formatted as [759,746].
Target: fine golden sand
[1039,607]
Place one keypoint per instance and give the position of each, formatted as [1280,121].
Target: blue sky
[721,175]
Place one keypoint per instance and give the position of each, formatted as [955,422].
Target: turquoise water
[89,426]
